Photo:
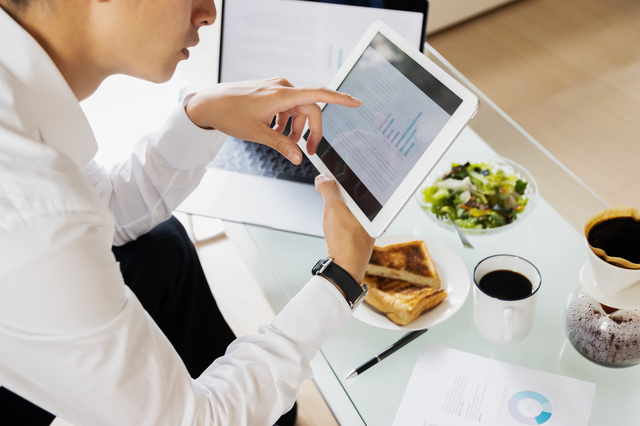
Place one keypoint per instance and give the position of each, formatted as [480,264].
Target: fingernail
[320,179]
[294,156]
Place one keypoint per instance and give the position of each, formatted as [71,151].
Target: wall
[446,13]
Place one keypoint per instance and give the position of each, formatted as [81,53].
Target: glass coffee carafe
[602,317]
[604,335]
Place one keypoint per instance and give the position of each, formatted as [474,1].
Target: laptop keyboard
[249,157]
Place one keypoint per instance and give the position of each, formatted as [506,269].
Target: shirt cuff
[183,144]
[313,315]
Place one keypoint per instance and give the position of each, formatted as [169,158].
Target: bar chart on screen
[385,137]
[400,130]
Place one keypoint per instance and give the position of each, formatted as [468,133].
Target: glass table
[550,237]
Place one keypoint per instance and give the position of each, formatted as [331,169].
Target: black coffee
[618,237]
[506,285]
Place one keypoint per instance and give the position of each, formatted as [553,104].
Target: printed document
[454,388]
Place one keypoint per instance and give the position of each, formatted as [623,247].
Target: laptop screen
[304,41]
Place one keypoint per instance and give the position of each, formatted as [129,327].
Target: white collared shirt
[73,338]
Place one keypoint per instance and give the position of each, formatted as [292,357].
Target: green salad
[477,196]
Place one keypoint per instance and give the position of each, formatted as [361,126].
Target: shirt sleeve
[163,170]
[77,342]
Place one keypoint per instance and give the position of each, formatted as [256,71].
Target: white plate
[626,299]
[454,277]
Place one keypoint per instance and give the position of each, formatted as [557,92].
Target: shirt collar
[60,120]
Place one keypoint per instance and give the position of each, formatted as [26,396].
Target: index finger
[312,95]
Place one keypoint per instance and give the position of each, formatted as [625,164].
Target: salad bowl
[497,174]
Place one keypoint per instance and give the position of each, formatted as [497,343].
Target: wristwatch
[353,292]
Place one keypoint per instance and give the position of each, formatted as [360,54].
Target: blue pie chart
[530,408]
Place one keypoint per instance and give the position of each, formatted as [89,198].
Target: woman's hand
[246,109]
[347,242]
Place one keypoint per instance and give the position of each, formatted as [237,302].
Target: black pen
[407,338]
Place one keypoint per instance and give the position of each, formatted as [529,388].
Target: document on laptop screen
[304,42]
[371,149]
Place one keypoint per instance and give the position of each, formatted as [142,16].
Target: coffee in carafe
[606,336]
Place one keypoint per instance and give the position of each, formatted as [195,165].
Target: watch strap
[353,292]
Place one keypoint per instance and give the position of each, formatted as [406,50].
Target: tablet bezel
[410,184]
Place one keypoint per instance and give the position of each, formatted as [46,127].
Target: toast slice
[402,301]
[405,261]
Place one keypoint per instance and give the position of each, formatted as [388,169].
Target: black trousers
[163,270]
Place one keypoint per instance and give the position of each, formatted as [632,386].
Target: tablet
[411,112]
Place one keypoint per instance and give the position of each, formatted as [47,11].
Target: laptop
[304,41]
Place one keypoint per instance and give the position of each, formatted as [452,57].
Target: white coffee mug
[504,321]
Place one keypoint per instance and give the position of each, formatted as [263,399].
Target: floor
[568,71]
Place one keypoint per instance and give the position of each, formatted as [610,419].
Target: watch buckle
[358,301]
[325,265]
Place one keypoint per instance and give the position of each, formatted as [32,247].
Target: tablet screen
[371,149]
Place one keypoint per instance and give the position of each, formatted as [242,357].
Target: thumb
[328,188]
[283,145]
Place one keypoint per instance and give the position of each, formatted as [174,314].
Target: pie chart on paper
[530,408]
